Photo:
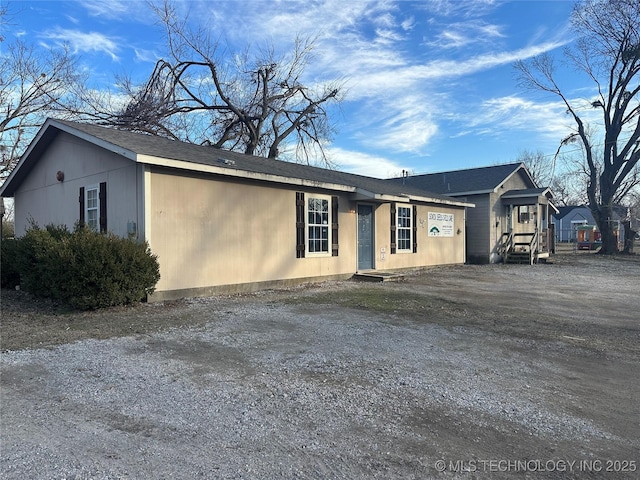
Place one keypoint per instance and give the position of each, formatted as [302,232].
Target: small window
[524,214]
[404,227]
[92,203]
[318,225]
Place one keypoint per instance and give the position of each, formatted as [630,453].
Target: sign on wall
[440,224]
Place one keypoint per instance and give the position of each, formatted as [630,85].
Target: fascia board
[517,169]
[52,123]
[405,198]
[470,192]
[9,180]
[238,173]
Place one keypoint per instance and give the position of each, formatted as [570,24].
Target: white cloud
[145,56]
[460,34]
[84,41]
[364,164]
[111,9]
[438,69]
[402,124]
[513,114]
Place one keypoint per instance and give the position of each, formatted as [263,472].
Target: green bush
[39,261]
[86,269]
[9,273]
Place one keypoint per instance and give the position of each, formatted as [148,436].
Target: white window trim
[309,253]
[409,228]
[88,189]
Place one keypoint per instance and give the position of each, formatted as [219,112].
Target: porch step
[374,276]
[519,258]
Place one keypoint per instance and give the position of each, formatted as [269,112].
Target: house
[222,221]
[570,218]
[510,220]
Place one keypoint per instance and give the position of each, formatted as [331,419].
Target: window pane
[92,198]
[404,231]
[92,219]
[317,224]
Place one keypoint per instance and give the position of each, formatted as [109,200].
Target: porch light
[60,175]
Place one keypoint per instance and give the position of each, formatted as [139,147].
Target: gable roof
[567,209]
[468,181]
[159,151]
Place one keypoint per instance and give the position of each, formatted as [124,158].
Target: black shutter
[393,227]
[81,201]
[103,207]
[300,225]
[334,226]
[415,229]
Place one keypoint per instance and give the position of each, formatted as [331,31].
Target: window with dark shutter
[300,225]
[334,226]
[393,228]
[103,207]
[81,200]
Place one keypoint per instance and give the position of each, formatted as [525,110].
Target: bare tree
[256,104]
[539,166]
[608,52]
[34,83]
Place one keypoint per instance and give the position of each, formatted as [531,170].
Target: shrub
[38,261]
[86,269]
[9,273]
[104,270]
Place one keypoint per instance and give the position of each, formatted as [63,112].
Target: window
[93,206]
[318,224]
[524,214]
[405,230]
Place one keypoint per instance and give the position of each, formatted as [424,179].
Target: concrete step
[374,276]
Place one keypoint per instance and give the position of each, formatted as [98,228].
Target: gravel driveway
[460,372]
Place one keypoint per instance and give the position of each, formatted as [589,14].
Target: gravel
[268,388]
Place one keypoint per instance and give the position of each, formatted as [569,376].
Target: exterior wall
[431,250]
[44,199]
[479,228]
[219,235]
[210,232]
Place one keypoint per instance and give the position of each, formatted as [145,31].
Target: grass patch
[386,300]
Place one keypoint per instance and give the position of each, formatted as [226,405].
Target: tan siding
[210,232]
[431,250]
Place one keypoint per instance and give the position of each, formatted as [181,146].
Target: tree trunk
[603,215]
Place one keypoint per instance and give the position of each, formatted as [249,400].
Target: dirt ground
[461,372]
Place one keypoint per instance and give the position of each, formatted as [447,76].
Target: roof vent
[226,161]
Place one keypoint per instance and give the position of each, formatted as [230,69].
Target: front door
[365,237]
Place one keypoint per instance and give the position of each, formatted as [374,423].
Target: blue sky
[430,84]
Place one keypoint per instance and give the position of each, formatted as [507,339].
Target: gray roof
[132,145]
[463,182]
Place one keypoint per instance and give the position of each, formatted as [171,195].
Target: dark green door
[365,237]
